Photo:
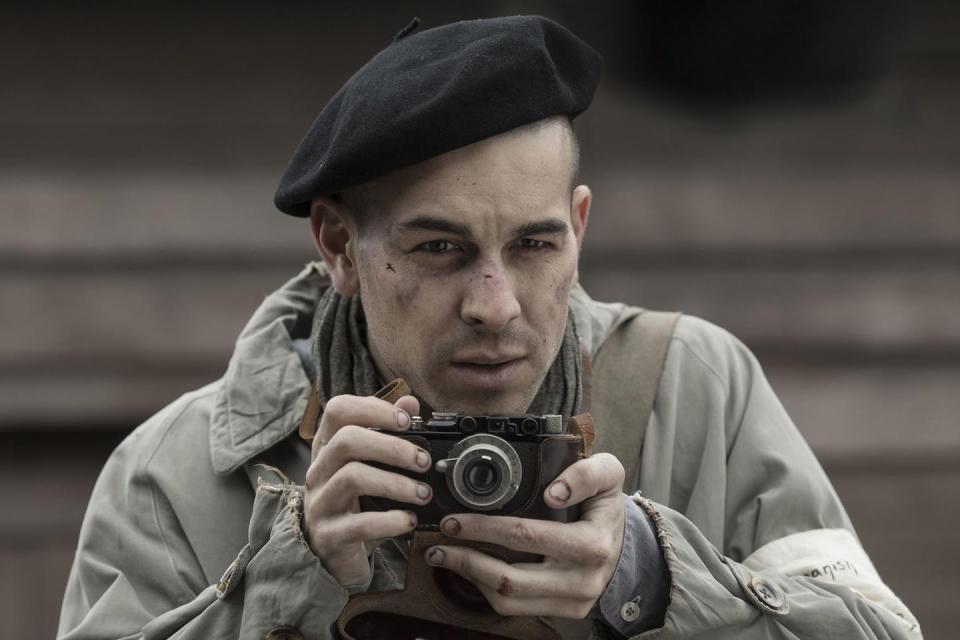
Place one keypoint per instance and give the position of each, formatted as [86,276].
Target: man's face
[465,267]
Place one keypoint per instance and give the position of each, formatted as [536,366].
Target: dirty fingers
[337,531]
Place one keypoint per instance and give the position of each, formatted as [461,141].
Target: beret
[435,91]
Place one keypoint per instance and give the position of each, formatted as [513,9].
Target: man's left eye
[532,243]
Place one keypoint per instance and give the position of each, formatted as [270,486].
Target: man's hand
[579,557]
[338,532]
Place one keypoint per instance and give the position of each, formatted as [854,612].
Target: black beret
[435,91]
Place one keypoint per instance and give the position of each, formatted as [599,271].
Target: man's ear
[580,211]
[335,234]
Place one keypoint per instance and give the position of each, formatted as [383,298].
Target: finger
[356,479]
[569,542]
[340,542]
[409,404]
[600,474]
[364,526]
[366,411]
[359,443]
[522,580]
[527,589]
[551,607]
[349,566]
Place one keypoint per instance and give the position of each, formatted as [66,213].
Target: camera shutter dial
[483,473]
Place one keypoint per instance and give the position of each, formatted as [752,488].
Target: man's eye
[438,246]
[531,243]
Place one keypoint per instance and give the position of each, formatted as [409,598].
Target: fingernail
[423,459]
[435,557]
[559,491]
[413,519]
[423,491]
[403,420]
[450,526]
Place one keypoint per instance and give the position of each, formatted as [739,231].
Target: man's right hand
[338,532]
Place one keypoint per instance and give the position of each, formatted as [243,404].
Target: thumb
[409,404]
[600,474]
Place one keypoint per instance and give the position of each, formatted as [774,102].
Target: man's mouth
[488,358]
[492,373]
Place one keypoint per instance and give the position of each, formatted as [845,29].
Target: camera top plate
[519,426]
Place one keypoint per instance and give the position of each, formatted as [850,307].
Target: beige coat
[180,542]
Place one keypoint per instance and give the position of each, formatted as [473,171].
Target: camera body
[496,465]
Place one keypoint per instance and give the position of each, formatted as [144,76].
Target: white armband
[829,555]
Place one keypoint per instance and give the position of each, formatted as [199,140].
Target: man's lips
[488,358]
[493,375]
[488,361]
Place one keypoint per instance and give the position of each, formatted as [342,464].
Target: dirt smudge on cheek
[562,283]
[561,291]
[405,292]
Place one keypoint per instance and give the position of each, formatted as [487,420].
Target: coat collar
[265,388]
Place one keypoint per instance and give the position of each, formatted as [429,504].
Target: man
[441,187]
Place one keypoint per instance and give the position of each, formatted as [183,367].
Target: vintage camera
[497,465]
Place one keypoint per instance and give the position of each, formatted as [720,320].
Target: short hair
[357,203]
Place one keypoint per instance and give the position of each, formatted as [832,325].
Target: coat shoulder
[718,354]
[178,433]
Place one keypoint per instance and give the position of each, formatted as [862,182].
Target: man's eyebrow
[442,225]
[550,226]
[430,223]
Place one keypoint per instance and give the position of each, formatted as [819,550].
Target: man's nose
[490,302]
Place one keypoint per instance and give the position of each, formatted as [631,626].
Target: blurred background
[787,169]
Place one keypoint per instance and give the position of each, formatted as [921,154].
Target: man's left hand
[579,557]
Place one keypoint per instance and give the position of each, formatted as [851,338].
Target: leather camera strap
[582,425]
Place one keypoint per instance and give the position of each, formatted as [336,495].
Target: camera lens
[483,472]
[482,477]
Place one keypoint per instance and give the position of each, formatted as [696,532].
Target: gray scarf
[343,364]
